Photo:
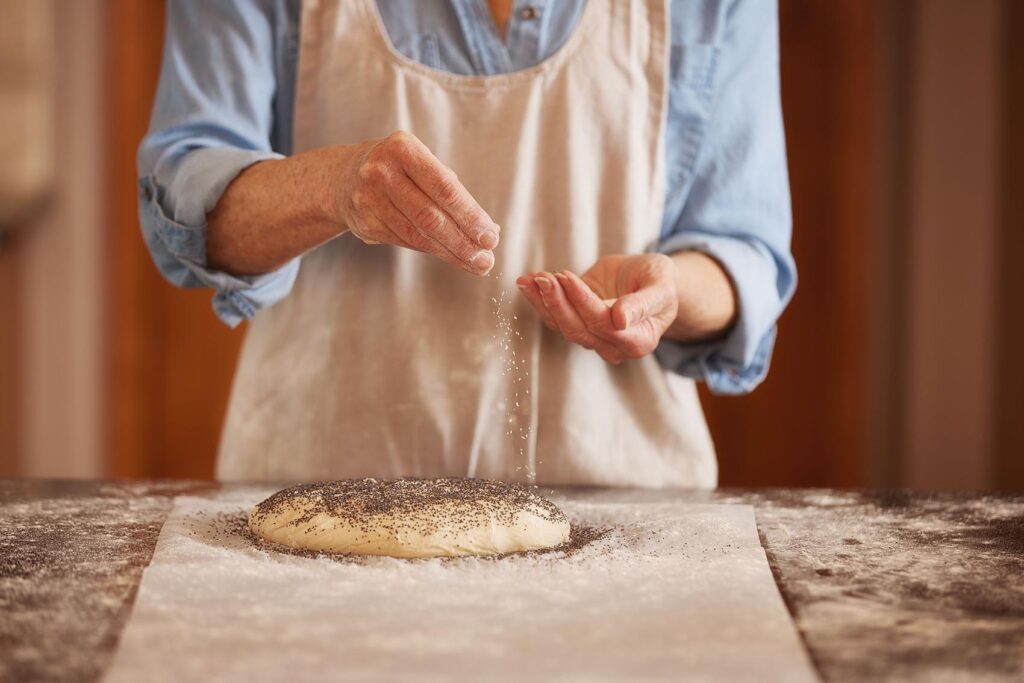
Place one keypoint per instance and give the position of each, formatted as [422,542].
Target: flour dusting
[518,426]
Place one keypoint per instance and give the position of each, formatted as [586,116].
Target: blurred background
[900,362]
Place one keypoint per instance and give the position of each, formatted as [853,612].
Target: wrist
[331,168]
[707,299]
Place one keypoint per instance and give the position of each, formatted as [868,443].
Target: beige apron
[384,362]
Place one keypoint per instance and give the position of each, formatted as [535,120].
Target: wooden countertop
[881,585]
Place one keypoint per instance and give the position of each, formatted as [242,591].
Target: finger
[532,294]
[541,282]
[380,230]
[572,327]
[594,312]
[441,184]
[627,343]
[434,223]
[529,288]
[408,236]
[595,286]
[639,305]
[569,325]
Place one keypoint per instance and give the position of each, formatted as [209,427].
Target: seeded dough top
[411,517]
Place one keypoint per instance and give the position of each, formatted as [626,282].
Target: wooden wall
[805,425]
[170,362]
[952,228]
[1009,436]
[50,299]
[9,315]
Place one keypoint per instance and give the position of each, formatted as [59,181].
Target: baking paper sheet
[673,591]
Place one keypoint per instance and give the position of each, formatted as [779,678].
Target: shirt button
[529,13]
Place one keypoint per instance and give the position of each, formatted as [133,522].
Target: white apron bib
[384,362]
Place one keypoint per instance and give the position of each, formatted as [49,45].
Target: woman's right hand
[395,191]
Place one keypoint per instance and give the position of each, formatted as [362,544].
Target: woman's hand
[386,191]
[623,305]
[395,191]
[620,307]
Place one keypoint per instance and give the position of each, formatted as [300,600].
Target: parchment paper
[673,591]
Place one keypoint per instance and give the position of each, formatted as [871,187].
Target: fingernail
[561,277]
[543,283]
[482,260]
[488,239]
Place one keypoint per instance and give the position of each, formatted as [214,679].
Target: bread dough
[410,518]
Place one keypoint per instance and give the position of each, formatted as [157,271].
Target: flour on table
[671,591]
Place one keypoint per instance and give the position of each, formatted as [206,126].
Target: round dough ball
[410,518]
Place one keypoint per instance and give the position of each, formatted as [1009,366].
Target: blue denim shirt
[225,101]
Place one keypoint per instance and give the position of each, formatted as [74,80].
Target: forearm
[276,210]
[707,299]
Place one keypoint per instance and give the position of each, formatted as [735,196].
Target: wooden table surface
[881,585]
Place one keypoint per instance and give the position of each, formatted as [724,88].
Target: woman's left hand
[620,307]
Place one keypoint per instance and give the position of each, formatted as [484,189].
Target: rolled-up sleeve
[734,204]
[212,118]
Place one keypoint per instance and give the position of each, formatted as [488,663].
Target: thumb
[635,306]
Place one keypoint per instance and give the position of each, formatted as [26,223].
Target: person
[484,239]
